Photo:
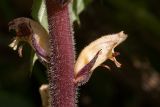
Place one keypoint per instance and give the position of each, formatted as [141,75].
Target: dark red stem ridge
[61,58]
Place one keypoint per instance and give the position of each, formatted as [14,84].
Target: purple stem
[61,58]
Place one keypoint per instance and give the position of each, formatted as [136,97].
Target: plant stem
[61,59]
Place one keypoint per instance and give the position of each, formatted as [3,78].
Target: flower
[31,32]
[95,54]
[89,59]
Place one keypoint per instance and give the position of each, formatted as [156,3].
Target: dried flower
[31,32]
[97,51]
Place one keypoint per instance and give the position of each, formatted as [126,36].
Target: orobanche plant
[52,40]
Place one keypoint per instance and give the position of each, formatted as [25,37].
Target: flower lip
[107,43]
[23,30]
[21,27]
[29,31]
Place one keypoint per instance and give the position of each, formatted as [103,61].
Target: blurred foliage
[136,84]
[77,6]
[39,11]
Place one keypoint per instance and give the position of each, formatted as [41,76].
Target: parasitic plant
[55,49]
[61,55]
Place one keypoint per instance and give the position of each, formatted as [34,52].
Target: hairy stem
[61,59]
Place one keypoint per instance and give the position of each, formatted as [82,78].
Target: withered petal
[84,74]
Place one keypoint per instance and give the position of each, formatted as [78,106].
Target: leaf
[39,13]
[77,6]
[35,58]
